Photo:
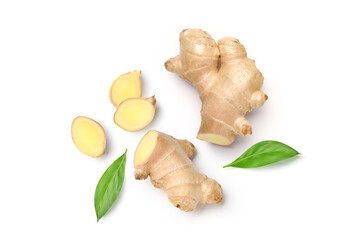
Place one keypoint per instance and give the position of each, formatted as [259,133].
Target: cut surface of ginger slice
[126,86]
[145,147]
[88,136]
[134,114]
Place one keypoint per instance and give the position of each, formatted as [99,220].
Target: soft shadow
[108,145]
[203,208]
[279,164]
[194,157]
[239,143]
[143,84]
[157,114]
[254,114]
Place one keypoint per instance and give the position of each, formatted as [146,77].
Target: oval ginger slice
[126,86]
[134,114]
[88,136]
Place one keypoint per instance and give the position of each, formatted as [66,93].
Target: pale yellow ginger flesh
[167,161]
[127,85]
[227,91]
[88,136]
[213,138]
[134,114]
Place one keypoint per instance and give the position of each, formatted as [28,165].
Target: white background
[58,60]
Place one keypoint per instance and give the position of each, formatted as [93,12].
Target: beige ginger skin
[167,161]
[227,92]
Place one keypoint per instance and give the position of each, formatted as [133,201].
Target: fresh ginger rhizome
[226,94]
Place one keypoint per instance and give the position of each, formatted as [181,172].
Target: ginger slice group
[133,112]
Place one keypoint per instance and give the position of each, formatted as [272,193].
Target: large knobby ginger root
[134,114]
[167,161]
[226,94]
[127,85]
[88,136]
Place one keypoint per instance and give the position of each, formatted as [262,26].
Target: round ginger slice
[88,136]
[134,114]
[126,86]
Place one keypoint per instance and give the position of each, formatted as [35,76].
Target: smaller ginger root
[88,136]
[167,161]
[127,85]
[134,114]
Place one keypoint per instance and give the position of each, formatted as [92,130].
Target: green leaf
[263,153]
[109,186]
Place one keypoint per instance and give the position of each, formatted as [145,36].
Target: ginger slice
[88,136]
[134,114]
[127,85]
[167,161]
